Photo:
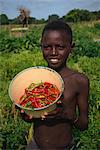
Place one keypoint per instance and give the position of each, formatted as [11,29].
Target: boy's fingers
[44,115]
[22,111]
[30,117]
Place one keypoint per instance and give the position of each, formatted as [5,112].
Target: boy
[54,130]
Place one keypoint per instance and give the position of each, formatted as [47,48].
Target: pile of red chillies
[38,95]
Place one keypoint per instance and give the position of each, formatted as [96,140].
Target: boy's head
[60,26]
[56,43]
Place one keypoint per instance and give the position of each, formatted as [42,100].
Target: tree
[24,15]
[53,17]
[4,19]
[41,21]
[14,21]
[77,15]
[72,16]
[85,15]
[32,20]
[96,14]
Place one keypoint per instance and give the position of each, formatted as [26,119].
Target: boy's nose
[53,50]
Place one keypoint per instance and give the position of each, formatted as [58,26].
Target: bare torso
[52,133]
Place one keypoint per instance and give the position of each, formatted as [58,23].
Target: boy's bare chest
[70,90]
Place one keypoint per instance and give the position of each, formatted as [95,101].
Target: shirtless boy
[54,130]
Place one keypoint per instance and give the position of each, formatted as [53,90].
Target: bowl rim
[36,67]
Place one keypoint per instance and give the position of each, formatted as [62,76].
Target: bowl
[35,75]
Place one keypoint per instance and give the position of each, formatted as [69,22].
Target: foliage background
[18,53]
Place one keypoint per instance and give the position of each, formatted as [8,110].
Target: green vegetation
[75,15]
[20,53]
[4,19]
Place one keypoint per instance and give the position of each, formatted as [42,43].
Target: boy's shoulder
[75,81]
[78,76]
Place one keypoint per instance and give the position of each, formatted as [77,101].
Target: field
[18,52]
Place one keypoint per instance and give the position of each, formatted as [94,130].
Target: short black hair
[59,24]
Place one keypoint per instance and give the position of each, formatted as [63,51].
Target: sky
[43,8]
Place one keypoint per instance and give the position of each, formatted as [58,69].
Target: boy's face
[56,48]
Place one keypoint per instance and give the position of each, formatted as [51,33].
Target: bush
[84,44]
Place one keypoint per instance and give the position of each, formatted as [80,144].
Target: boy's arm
[81,121]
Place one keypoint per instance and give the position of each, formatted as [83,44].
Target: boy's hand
[28,118]
[54,114]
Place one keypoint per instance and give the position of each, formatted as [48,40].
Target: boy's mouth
[54,60]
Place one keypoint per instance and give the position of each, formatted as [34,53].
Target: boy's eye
[60,47]
[46,47]
[50,47]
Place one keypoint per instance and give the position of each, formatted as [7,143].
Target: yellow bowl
[34,75]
